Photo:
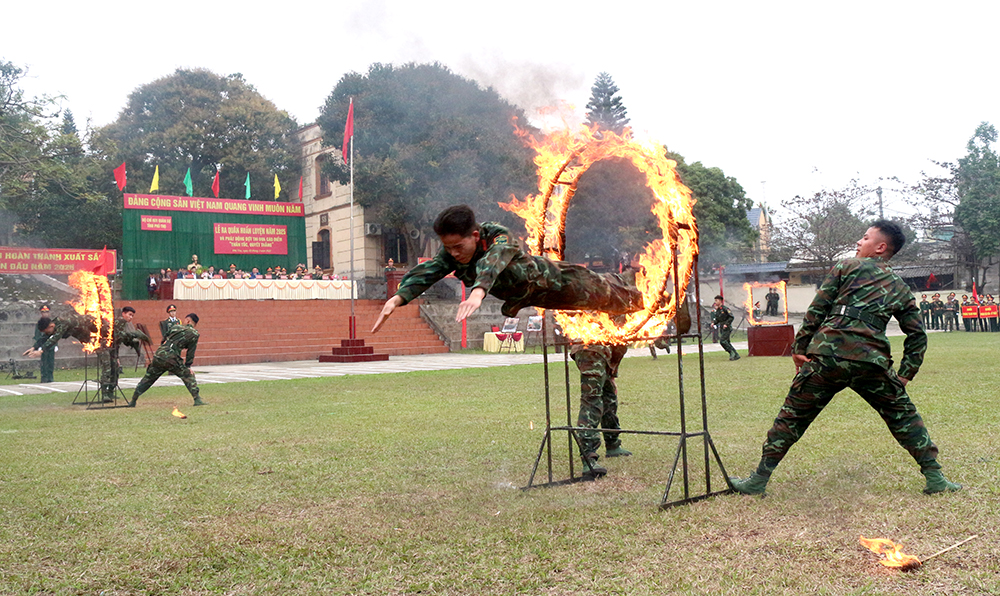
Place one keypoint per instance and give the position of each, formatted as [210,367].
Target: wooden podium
[770,340]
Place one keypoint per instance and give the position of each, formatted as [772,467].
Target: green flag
[187,183]
[247,184]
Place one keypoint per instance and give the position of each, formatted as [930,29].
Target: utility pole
[879,192]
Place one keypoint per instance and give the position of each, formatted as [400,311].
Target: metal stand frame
[98,400]
[681,453]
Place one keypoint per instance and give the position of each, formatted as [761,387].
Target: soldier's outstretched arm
[470,304]
[390,305]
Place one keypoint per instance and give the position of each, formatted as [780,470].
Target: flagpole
[354,282]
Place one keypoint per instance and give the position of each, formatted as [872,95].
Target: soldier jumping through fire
[842,344]
[81,327]
[485,258]
[168,358]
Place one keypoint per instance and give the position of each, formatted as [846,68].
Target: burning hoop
[562,157]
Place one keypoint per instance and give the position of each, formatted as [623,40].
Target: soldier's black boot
[652,351]
[754,484]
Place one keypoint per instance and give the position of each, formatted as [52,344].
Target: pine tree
[605,109]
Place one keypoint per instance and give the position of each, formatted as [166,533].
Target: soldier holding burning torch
[484,257]
[842,344]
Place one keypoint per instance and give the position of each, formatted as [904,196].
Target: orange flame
[666,264]
[893,553]
[748,303]
[178,413]
[94,300]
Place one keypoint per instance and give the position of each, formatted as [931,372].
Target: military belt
[856,313]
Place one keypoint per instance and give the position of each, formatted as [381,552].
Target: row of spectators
[196,271]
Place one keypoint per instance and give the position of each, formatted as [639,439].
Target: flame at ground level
[893,553]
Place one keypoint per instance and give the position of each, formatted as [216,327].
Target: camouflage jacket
[180,337]
[79,326]
[122,335]
[951,306]
[871,286]
[722,316]
[499,267]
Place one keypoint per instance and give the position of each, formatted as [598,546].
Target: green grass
[407,483]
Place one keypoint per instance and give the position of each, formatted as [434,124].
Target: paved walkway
[307,369]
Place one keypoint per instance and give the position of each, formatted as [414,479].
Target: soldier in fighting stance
[81,327]
[842,343]
[168,359]
[487,259]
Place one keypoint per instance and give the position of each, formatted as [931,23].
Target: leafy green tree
[724,232]
[605,109]
[825,227]
[426,138]
[198,119]
[53,186]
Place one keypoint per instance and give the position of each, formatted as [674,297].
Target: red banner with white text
[15,259]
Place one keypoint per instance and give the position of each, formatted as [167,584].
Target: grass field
[408,483]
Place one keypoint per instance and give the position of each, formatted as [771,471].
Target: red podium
[770,340]
[353,350]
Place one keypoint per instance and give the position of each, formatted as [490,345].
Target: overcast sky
[787,97]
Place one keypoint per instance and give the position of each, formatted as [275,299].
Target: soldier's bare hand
[799,360]
[904,381]
[470,304]
[32,353]
[390,305]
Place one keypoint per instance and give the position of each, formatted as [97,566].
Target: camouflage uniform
[598,366]
[844,335]
[81,327]
[951,314]
[502,269]
[107,357]
[47,366]
[722,318]
[168,359]
[937,313]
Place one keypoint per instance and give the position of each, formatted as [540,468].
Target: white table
[262,289]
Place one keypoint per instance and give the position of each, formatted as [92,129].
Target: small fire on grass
[893,555]
[178,413]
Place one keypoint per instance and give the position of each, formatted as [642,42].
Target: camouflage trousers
[579,288]
[823,377]
[598,397]
[107,364]
[159,366]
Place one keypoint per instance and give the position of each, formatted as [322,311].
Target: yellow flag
[277,186]
[156,180]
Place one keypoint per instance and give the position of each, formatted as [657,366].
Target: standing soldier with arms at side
[937,312]
[722,319]
[107,356]
[168,359]
[598,364]
[925,311]
[772,298]
[842,344]
[47,367]
[169,322]
[951,313]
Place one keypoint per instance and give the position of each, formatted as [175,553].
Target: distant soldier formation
[972,313]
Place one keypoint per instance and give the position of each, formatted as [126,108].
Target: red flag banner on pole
[120,176]
[215,184]
[348,130]
[300,188]
[975,297]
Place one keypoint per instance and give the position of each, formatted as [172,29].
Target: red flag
[975,297]
[215,184]
[348,129]
[931,280]
[103,266]
[300,188]
[120,176]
